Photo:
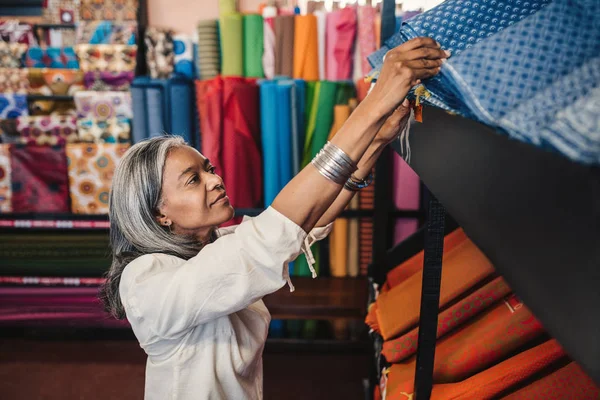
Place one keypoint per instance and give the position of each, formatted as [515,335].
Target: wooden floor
[33,368]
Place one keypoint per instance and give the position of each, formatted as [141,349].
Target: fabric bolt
[111,130]
[341,30]
[284,45]
[107,32]
[459,313]
[321,42]
[108,10]
[39,179]
[568,383]
[268,59]
[11,54]
[464,267]
[299,124]
[47,130]
[112,58]
[231,30]
[59,38]
[253,46]
[366,35]
[209,55]
[91,168]
[487,384]
[51,57]
[60,11]
[14,80]
[160,55]
[15,31]
[306,48]
[209,99]
[338,238]
[324,119]
[554,80]
[285,123]
[8,131]
[184,55]
[13,106]
[54,81]
[108,81]
[103,105]
[5,179]
[227,7]
[269,140]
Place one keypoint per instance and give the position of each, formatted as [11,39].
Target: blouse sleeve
[168,295]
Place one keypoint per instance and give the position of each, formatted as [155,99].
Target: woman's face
[194,200]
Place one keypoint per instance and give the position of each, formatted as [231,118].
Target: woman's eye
[211,170]
[193,179]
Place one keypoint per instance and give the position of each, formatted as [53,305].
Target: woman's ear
[162,219]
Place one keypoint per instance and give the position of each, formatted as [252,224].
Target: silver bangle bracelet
[340,155]
[354,185]
[334,164]
[330,171]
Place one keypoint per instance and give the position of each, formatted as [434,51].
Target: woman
[192,292]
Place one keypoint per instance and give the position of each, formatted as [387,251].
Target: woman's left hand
[394,124]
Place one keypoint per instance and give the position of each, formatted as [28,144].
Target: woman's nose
[214,181]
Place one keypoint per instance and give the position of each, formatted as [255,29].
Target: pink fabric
[407,188]
[366,35]
[404,228]
[268,59]
[341,30]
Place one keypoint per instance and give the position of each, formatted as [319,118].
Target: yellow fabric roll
[231,45]
[306,48]
[227,7]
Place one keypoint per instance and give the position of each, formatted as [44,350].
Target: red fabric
[209,100]
[40,180]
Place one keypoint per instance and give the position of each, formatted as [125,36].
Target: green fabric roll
[253,46]
[227,7]
[312,106]
[231,45]
[324,120]
[345,92]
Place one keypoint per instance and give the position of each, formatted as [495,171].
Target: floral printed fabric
[160,55]
[112,58]
[52,81]
[11,54]
[103,105]
[111,130]
[14,80]
[61,11]
[51,57]
[107,81]
[39,179]
[107,32]
[13,31]
[47,130]
[108,10]
[13,105]
[91,168]
[184,55]
[5,179]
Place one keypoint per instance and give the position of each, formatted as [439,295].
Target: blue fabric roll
[284,131]
[139,127]
[181,109]
[299,115]
[529,69]
[270,146]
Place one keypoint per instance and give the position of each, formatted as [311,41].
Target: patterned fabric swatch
[47,130]
[52,107]
[14,80]
[39,179]
[51,57]
[111,130]
[8,131]
[61,11]
[50,81]
[184,55]
[5,179]
[106,57]
[107,81]
[103,105]
[108,10]
[91,168]
[13,31]
[11,54]
[57,37]
[160,55]
[107,32]
[13,105]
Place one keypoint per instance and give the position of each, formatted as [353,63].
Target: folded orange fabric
[568,383]
[415,263]
[476,346]
[306,48]
[489,383]
[405,346]
[463,267]
[371,318]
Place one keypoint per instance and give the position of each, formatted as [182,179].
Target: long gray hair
[134,201]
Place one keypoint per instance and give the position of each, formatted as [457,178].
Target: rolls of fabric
[324,118]
[14,80]
[227,7]
[306,48]
[47,130]
[51,57]
[112,58]
[341,30]
[253,46]
[299,121]
[183,48]
[107,32]
[112,130]
[209,99]
[231,31]
[13,106]
[268,61]
[285,122]
[103,105]
[270,147]
[11,54]
[321,34]
[107,81]
[209,54]
[366,35]
[284,45]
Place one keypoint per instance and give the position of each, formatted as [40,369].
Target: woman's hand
[393,125]
[403,68]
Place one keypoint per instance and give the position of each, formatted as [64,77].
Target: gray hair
[135,198]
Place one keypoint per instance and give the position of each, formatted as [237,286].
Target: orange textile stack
[489,344]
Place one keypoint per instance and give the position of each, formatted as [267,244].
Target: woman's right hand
[403,68]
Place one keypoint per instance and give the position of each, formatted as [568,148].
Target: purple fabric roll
[105,80]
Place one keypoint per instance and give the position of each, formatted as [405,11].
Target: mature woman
[192,292]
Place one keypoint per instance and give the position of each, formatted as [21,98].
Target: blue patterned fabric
[13,106]
[529,68]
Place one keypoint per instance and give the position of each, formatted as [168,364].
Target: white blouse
[202,322]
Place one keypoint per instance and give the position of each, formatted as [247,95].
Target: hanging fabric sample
[341,30]
[555,81]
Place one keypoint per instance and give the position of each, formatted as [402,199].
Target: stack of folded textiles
[489,343]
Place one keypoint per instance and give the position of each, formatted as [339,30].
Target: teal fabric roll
[270,147]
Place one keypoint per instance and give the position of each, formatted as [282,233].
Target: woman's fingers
[416,43]
[423,63]
[424,73]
